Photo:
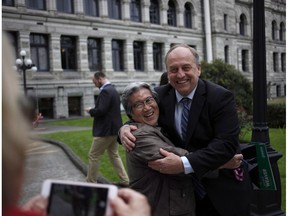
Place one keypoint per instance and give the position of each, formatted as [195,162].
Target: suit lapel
[168,108]
[196,108]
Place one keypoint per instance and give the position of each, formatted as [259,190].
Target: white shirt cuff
[187,166]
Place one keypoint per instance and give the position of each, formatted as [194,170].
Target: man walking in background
[107,121]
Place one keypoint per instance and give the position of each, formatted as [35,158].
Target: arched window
[135,10]
[171,13]
[274,30]
[188,16]
[138,51]
[282,32]
[242,25]
[91,8]
[114,9]
[154,12]
[157,56]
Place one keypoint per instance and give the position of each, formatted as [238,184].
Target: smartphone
[77,198]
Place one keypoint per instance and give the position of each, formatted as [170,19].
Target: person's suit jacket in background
[107,115]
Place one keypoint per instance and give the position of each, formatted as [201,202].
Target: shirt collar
[105,84]
[190,96]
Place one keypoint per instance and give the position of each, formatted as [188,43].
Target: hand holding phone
[78,198]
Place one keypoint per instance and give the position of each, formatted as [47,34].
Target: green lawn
[80,142]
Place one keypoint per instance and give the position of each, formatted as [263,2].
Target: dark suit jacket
[167,194]
[213,138]
[106,113]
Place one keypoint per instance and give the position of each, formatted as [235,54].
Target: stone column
[83,66]
[148,58]
[125,10]
[107,55]
[163,14]
[103,8]
[146,12]
[55,55]
[129,58]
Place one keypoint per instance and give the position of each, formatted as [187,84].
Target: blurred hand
[130,203]
[36,204]
[87,109]
[170,164]
[127,138]
[234,163]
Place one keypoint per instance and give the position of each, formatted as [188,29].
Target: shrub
[229,77]
[276,115]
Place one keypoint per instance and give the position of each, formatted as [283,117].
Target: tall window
[282,32]
[36,4]
[8,2]
[117,55]
[157,56]
[40,51]
[138,50]
[225,22]
[65,6]
[274,30]
[46,107]
[114,9]
[278,90]
[74,106]
[91,8]
[135,10]
[154,12]
[12,37]
[171,13]
[68,53]
[94,54]
[275,61]
[188,16]
[245,60]
[283,62]
[242,25]
[226,53]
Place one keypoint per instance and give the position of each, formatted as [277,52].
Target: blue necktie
[199,189]
[184,118]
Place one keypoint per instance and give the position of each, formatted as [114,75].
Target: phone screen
[77,200]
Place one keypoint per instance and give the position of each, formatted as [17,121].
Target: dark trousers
[204,207]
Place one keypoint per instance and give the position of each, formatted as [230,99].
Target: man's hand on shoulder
[170,164]
[126,137]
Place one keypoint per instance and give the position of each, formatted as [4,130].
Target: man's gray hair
[192,50]
[130,90]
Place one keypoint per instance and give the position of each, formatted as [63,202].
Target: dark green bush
[229,77]
[276,115]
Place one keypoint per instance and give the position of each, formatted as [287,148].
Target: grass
[80,142]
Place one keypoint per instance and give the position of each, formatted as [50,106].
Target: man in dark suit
[107,121]
[211,135]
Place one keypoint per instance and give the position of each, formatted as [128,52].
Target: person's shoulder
[164,89]
[142,128]
[214,91]
[213,87]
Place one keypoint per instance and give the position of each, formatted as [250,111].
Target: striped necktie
[184,118]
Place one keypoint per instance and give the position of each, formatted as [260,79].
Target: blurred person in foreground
[15,139]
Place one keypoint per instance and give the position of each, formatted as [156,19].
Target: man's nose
[180,73]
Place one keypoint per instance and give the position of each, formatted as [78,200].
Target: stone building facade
[68,40]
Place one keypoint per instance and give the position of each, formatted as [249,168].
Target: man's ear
[199,69]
